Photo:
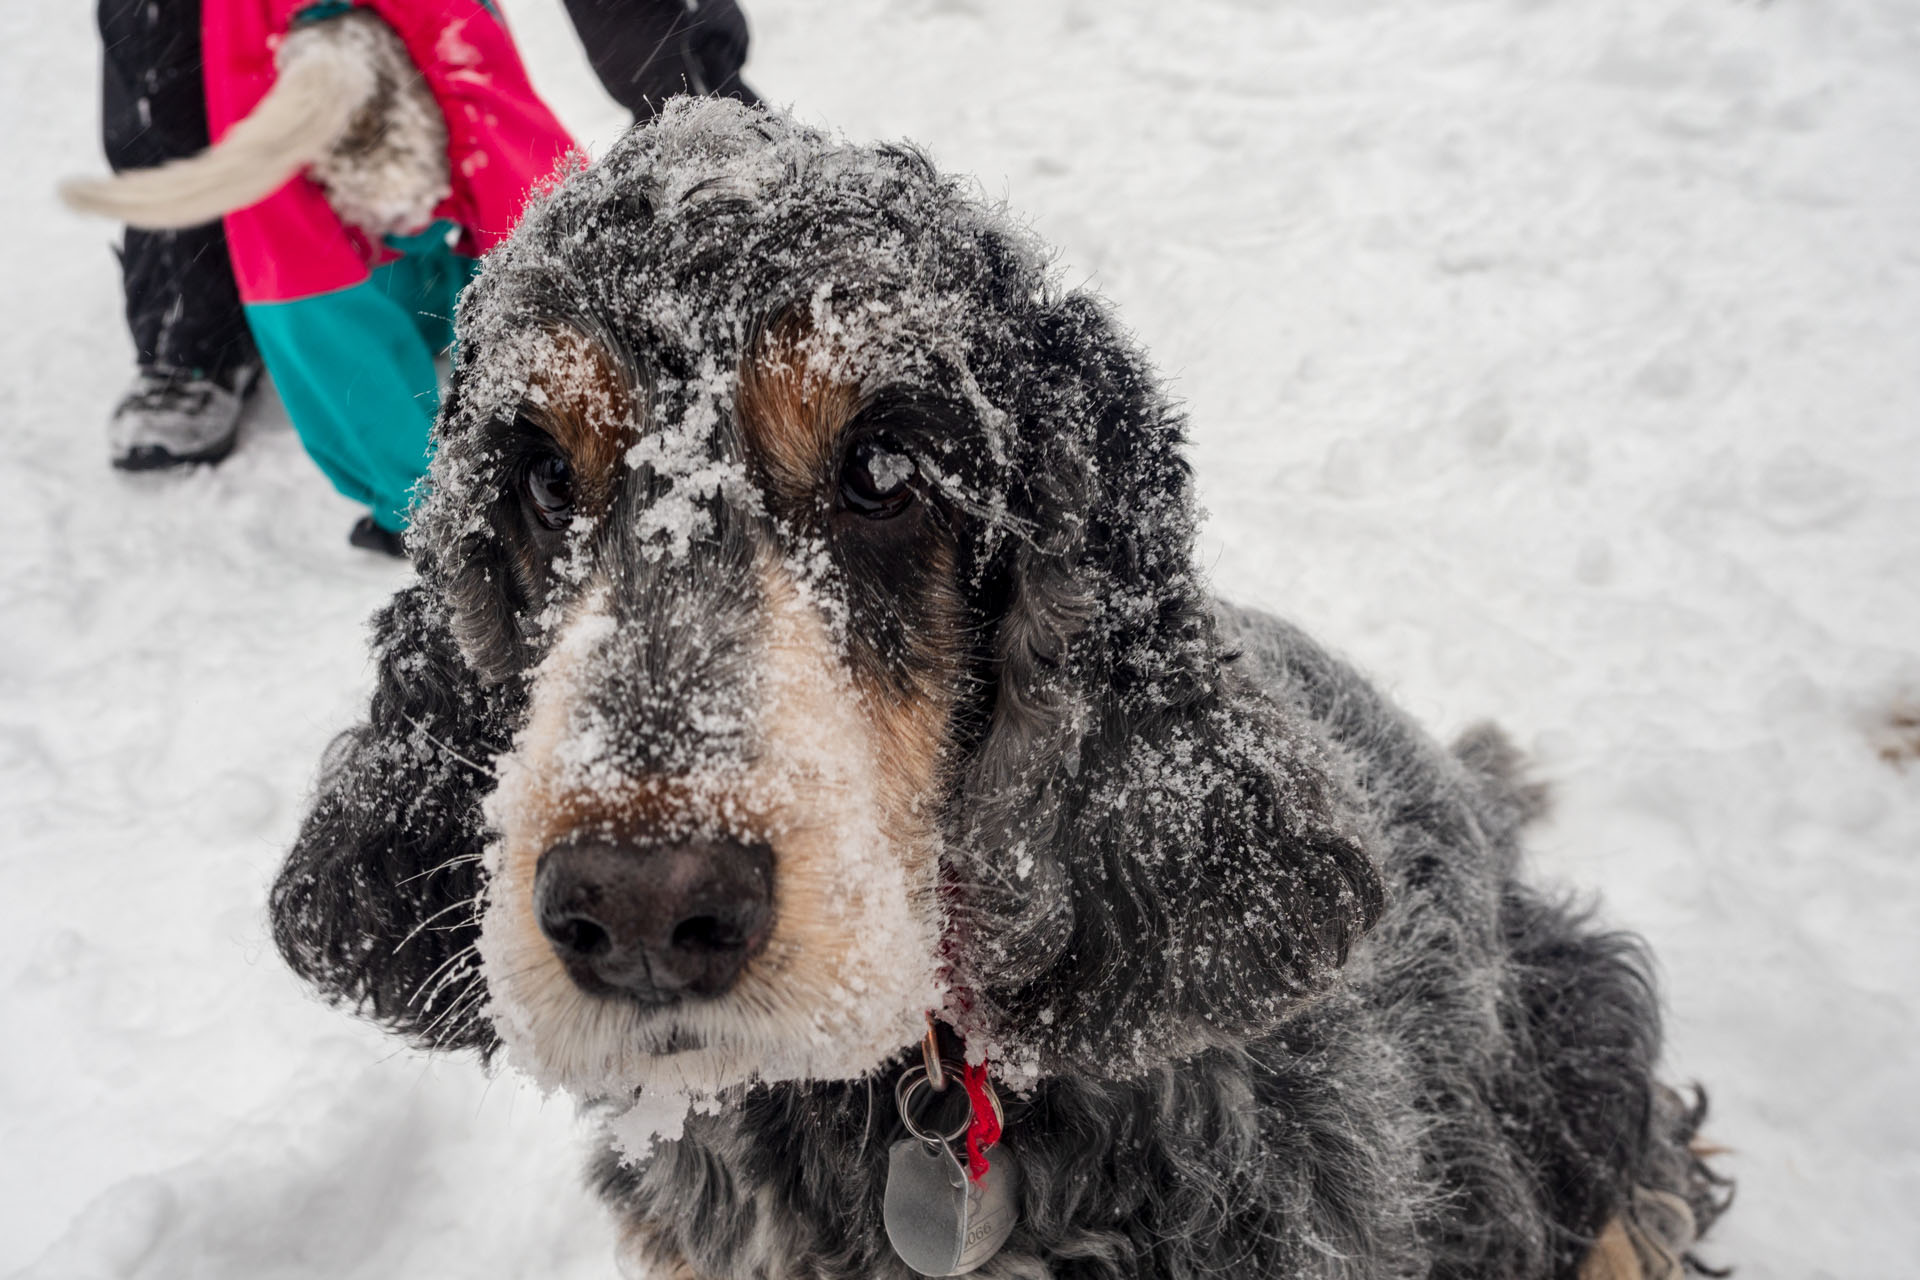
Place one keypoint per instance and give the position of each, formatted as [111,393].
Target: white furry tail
[319,87]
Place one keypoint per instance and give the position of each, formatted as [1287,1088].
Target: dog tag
[940,1222]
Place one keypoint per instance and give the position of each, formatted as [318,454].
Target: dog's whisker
[464,970]
[421,728]
[455,983]
[427,923]
[450,967]
[459,859]
[465,1004]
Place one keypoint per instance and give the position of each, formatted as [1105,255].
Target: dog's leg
[1613,1256]
[645,1254]
[1648,1242]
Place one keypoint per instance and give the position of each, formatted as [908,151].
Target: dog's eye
[546,486]
[876,480]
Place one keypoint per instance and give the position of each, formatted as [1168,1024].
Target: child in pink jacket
[347,324]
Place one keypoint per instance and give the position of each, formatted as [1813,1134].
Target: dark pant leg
[645,51]
[182,306]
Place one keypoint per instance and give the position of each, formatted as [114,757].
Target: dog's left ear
[1156,857]
[460,532]
[378,903]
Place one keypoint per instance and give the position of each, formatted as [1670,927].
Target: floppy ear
[460,532]
[1152,858]
[378,903]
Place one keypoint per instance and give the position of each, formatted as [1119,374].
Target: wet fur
[1315,1026]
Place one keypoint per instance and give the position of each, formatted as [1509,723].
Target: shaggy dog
[808,637]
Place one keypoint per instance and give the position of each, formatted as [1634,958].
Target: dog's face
[717,834]
[842,568]
[730,528]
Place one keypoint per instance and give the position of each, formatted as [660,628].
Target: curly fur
[1256,945]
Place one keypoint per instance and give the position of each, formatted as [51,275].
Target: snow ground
[1557,361]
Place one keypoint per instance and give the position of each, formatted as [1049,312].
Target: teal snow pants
[355,369]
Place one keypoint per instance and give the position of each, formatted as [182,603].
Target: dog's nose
[656,922]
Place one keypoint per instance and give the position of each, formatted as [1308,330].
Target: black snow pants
[645,51]
[182,306]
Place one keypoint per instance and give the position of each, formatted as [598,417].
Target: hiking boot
[369,536]
[177,417]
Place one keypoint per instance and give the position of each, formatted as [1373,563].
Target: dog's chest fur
[1386,1130]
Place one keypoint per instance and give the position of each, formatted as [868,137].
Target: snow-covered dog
[808,639]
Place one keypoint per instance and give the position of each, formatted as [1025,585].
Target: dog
[808,639]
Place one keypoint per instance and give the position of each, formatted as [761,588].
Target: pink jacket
[501,139]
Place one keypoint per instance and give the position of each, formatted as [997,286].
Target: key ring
[916,1078]
[930,1055]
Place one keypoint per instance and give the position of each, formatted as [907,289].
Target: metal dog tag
[939,1222]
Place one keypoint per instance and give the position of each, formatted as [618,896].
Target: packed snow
[1555,362]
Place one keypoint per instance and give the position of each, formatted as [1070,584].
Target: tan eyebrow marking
[581,397]
[791,414]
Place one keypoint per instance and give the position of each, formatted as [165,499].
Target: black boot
[369,536]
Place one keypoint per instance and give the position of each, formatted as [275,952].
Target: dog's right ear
[378,904]
[1153,857]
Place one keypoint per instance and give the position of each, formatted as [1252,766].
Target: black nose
[656,922]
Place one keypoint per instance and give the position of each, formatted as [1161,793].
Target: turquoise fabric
[322,11]
[355,369]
